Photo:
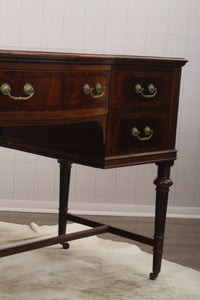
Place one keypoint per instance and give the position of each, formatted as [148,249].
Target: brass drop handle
[28,90]
[151,88]
[148,133]
[89,90]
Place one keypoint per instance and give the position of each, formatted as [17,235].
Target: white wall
[137,27]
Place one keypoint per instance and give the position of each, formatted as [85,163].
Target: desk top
[9,55]
[99,110]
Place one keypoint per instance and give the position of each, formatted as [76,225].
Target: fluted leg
[65,171]
[162,182]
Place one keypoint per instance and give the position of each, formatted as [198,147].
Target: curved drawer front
[139,134]
[52,90]
[85,89]
[142,89]
[46,93]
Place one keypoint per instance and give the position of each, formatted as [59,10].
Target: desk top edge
[68,58]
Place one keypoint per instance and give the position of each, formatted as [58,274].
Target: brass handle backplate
[28,91]
[151,88]
[148,133]
[89,90]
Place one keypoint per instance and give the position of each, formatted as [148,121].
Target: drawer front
[52,90]
[139,134]
[44,90]
[85,89]
[142,89]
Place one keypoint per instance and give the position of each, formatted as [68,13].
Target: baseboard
[98,209]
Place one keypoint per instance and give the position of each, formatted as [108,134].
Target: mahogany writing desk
[99,111]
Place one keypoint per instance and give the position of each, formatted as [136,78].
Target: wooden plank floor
[182,238]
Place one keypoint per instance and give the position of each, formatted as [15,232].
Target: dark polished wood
[103,139]
[94,126]
[184,250]
[111,229]
[65,172]
[53,241]
[162,182]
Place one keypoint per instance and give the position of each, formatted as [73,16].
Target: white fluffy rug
[92,269]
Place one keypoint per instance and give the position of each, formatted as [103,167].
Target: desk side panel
[129,111]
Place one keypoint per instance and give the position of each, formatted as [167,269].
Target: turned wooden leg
[162,182]
[65,171]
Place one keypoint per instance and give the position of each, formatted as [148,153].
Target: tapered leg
[162,182]
[65,171]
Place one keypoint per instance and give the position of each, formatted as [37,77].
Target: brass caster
[153,276]
[65,246]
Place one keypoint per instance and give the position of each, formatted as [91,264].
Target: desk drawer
[142,89]
[85,89]
[44,90]
[52,90]
[138,134]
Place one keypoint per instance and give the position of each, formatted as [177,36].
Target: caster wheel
[153,276]
[65,246]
